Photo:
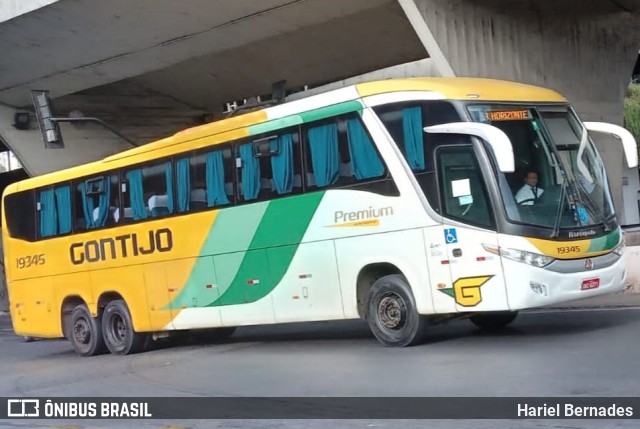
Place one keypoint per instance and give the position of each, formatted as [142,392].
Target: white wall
[11,8]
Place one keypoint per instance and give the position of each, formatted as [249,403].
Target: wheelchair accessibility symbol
[450,236]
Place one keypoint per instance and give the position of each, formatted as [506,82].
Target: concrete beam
[316,54]
[72,45]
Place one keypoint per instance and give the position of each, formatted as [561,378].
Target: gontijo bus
[392,201]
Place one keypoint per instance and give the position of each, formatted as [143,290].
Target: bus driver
[530,191]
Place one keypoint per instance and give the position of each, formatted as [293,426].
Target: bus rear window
[20,213]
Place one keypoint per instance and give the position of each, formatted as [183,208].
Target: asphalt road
[544,354]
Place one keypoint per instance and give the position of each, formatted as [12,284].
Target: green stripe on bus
[231,233]
[286,221]
[333,110]
[606,242]
[310,116]
[234,229]
[276,124]
[272,249]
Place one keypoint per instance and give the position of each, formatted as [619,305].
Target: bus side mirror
[628,142]
[497,139]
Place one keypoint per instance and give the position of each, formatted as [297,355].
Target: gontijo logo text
[121,246]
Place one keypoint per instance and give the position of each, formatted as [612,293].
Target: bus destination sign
[507,115]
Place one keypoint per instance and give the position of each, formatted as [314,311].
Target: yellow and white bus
[396,201]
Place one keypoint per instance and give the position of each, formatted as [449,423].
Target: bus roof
[291,113]
[455,88]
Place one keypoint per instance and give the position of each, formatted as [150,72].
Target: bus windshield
[559,179]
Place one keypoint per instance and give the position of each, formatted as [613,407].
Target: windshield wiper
[556,225]
[591,206]
[586,202]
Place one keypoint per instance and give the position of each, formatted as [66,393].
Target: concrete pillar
[585,52]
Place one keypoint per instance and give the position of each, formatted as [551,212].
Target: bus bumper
[563,280]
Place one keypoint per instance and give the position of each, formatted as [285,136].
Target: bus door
[477,280]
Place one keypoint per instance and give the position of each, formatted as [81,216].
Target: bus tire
[85,332]
[493,319]
[117,328]
[392,314]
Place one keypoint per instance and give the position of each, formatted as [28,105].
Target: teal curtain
[364,159]
[104,200]
[136,194]
[216,194]
[250,172]
[323,142]
[184,184]
[168,169]
[282,163]
[63,203]
[413,137]
[48,217]
[87,206]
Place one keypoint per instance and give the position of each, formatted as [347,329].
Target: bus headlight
[530,258]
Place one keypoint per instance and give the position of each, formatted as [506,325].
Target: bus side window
[204,180]
[464,196]
[270,166]
[149,191]
[20,213]
[96,199]
[405,123]
[54,211]
[339,152]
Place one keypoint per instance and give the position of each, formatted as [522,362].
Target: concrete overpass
[153,67]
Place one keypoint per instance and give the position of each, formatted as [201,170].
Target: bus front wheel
[117,328]
[493,319]
[392,314]
[86,332]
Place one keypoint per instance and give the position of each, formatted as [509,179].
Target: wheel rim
[82,332]
[117,330]
[392,312]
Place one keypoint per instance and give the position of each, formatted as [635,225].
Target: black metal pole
[99,121]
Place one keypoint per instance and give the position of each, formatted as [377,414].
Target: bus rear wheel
[117,327]
[493,319]
[86,332]
[392,314]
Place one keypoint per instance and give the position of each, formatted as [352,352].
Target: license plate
[590,284]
